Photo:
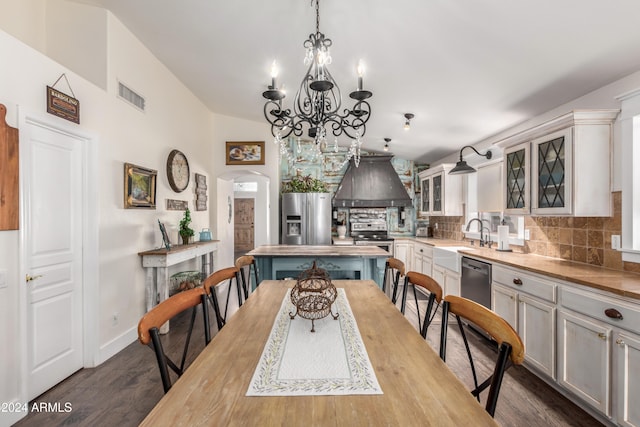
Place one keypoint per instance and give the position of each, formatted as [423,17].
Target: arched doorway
[251,190]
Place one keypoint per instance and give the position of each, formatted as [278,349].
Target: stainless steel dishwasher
[475,281]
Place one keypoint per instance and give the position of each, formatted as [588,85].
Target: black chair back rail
[247,261]
[149,329]
[510,347]
[434,291]
[210,284]
[395,268]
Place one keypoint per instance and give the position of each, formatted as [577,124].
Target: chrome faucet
[482,227]
[489,242]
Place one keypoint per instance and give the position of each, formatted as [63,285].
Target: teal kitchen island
[342,262]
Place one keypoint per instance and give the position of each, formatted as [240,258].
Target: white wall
[227,128]
[175,118]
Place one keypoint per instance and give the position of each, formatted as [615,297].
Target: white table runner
[330,361]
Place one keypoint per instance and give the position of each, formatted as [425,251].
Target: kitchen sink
[448,257]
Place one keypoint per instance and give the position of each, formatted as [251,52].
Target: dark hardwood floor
[121,391]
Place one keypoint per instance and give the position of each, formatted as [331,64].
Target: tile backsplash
[580,239]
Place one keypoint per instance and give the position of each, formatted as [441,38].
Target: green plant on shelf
[185,231]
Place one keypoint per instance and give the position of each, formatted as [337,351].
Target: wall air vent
[130,96]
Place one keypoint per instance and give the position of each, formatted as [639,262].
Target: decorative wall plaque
[201,192]
[63,105]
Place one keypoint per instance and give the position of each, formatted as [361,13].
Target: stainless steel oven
[369,228]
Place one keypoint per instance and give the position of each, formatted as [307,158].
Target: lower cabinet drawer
[526,283]
[614,312]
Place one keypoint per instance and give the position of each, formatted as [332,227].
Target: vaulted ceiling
[467,69]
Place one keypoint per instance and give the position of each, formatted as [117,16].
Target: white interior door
[53,195]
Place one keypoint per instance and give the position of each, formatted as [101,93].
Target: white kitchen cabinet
[441,193]
[569,167]
[403,250]
[584,358]
[599,351]
[422,258]
[449,280]
[504,301]
[627,350]
[516,172]
[527,303]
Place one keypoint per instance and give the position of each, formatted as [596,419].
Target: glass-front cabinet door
[551,166]
[516,173]
[437,193]
[425,195]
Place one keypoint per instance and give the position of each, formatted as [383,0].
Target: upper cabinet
[488,181]
[561,167]
[516,179]
[441,193]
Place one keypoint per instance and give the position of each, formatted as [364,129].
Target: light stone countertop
[615,281]
[318,251]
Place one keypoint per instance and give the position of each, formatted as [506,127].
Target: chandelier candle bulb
[274,74]
[360,75]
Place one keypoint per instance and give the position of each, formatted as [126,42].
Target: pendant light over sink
[317,106]
[462,167]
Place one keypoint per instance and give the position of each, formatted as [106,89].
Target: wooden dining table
[418,388]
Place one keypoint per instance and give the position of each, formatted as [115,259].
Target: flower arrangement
[304,184]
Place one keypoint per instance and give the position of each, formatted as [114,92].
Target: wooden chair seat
[510,347]
[149,328]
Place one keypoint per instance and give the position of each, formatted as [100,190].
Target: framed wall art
[165,237]
[244,153]
[201,192]
[139,187]
[177,205]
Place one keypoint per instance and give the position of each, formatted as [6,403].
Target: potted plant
[185,231]
[304,184]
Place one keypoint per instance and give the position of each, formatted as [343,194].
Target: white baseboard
[116,345]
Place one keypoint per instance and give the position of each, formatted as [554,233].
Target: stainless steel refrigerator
[306,218]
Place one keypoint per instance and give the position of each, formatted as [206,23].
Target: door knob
[30,278]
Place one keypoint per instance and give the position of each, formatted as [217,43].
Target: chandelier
[317,104]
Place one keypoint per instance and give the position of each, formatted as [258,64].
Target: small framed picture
[245,153]
[139,187]
[165,236]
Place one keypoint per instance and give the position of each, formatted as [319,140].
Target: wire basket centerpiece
[313,295]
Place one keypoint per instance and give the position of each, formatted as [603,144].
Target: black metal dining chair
[434,291]
[510,347]
[149,329]
[246,262]
[394,269]
[210,285]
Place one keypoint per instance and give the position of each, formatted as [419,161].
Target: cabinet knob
[613,313]
[602,336]
[620,341]
[517,281]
